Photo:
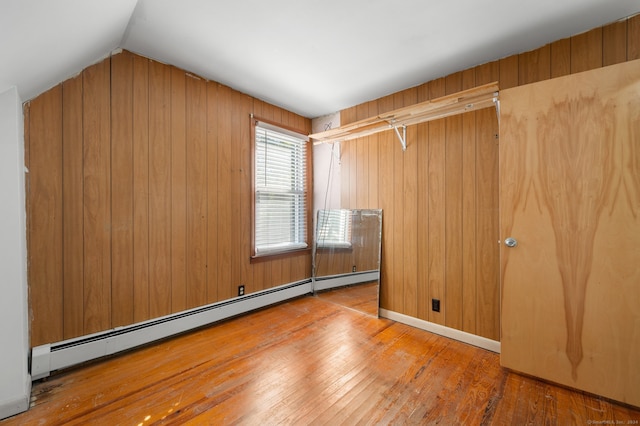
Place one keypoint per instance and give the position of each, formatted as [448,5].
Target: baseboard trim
[341,280]
[452,333]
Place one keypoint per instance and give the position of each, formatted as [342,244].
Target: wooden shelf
[468,100]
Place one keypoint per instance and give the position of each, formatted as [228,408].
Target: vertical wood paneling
[179,191]
[373,163]
[236,244]
[155,234]
[396,222]
[353,173]
[142,202]
[614,43]
[212,193]
[140,154]
[469,196]
[468,227]
[196,192]
[488,295]
[456,185]
[409,220]
[159,189]
[437,200]
[468,79]
[586,51]
[453,211]
[97,195]
[348,115]
[45,217]
[362,163]
[487,73]
[560,58]
[453,222]
[72,204]
[122,189]
[386,148]
[225,186]
[246,188]
[345,156]
[453,83]
[487,290]
[347,151]
[422,229]
[633,38]
[508,72]
[301,265]
[535,65]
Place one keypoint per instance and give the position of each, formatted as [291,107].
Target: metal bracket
[402,138]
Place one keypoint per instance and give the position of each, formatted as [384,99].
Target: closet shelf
[468,100]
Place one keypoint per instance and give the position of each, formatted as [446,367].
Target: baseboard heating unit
[340,280]
[55,356]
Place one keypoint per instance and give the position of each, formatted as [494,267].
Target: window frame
[258,257]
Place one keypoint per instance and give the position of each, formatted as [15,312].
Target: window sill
[279,255]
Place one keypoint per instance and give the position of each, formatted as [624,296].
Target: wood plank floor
[304,362]
[361,297]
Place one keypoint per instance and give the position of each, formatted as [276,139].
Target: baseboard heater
[55,356]
[340,280]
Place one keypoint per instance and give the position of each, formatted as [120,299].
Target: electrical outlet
[241,290]
[435,305]
[353,269]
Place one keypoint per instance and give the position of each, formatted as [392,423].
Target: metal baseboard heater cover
[340,280]
[55,356]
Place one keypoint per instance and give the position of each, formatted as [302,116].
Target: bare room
[329,212]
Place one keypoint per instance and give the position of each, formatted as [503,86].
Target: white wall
[326,166]
[15,381]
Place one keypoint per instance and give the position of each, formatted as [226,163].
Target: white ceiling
[310,57]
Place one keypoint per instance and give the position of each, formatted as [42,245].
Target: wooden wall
[440,197]
[139,197]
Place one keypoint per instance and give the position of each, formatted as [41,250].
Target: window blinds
[334,229]
[280,190]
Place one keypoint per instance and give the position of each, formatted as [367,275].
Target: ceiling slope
[44,42]
[317,57]
[310,57]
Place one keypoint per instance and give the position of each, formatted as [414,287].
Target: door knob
[511,242]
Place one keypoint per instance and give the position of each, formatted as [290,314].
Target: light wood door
[570,196]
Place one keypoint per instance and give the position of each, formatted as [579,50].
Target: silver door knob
[511,242]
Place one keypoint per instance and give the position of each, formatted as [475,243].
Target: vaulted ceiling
[309,56]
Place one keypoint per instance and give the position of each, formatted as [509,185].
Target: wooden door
[570,196]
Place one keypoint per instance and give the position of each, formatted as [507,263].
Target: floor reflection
[361,297]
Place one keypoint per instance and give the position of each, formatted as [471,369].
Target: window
[280,182]
[334,229]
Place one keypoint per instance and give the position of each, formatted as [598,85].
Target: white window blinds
[334,229]
[280,190]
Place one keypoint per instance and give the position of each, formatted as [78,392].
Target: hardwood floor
[309,361]
[361,297]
